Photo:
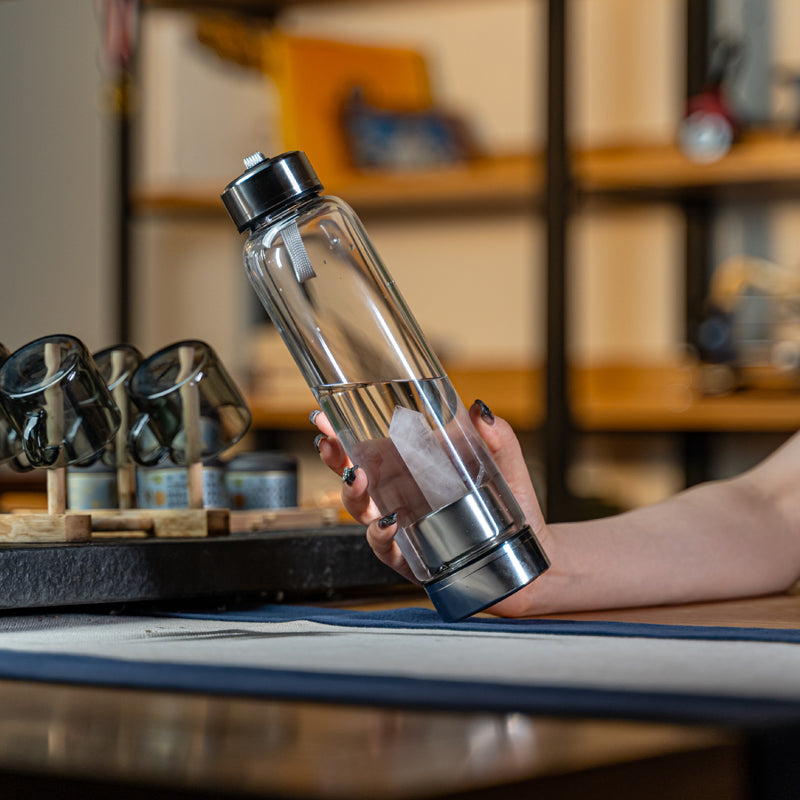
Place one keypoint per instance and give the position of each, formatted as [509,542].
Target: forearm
[725,539]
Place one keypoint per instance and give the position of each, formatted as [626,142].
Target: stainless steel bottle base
[489,578]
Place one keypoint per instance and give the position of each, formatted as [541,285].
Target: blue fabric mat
[426,619]
[57,664]
[400,692]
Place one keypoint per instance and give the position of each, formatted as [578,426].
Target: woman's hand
[356,499]
[502,445]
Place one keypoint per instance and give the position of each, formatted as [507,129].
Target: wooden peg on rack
[190,401]
[54,403]
[126,472]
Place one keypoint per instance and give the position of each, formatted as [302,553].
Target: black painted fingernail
[486,412]
[317,439]
[388,520]
[349,475]
[313,415]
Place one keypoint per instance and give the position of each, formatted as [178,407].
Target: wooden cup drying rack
[62,525]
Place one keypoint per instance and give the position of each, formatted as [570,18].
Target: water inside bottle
[362,413]
[417,475]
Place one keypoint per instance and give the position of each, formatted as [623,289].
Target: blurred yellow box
[315,77]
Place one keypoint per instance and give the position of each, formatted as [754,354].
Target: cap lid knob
[256,158]
[269,185]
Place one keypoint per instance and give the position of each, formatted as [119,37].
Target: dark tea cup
[57,402]
[190,408]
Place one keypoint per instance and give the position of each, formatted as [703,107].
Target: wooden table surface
[137,743]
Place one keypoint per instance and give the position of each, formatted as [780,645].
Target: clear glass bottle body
[382,388]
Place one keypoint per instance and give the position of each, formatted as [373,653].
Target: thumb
[505,449]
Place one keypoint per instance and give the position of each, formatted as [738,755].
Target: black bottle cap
[268,185]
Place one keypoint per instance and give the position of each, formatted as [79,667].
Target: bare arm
[723,539]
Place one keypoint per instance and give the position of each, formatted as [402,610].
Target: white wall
[56,181]
[199,115]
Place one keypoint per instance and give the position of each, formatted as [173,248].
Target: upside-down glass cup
[57,402]
[116,365]
[382,388]
[189,406]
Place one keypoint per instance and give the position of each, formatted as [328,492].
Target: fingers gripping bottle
[382,388]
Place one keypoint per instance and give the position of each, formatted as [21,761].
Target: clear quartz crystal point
[424,457]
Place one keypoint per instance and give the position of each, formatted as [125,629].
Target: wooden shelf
[487,183]
[610,398]
[647,398]
[768,160]
[760,162]
[495,182]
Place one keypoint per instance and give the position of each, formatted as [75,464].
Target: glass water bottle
[382,388]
